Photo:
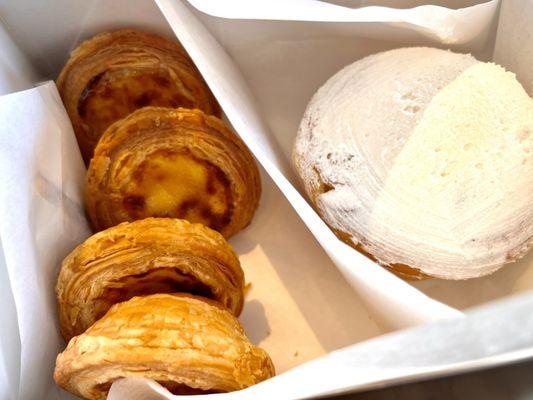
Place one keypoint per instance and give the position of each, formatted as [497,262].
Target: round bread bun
[422,158]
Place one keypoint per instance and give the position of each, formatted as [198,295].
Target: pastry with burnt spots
[115,73]
[178,163]
[153,255]
[188,344]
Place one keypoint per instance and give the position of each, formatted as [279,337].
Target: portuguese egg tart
[114,73]
[154,255]
[162,162]
[183,342]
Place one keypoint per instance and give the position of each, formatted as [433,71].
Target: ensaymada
[423,158]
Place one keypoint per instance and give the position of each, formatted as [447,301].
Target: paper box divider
[424,352]
[269,156]
[284,62]
[395,302]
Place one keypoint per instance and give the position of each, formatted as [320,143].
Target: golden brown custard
[115,73]
[172,162]
[169,184]
[114,94]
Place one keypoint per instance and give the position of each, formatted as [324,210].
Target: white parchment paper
[16,72]
[9,337]
[265,51]
[514,48]
[299,303]
[393,302]
[282,63]
[478,341]
[449,26]
[41,220]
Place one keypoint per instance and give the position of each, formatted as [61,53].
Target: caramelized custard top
[114,94]
[179,185]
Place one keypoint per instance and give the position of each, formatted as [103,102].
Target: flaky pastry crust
[178,340]
[161,162]
[154,255]
[114,73]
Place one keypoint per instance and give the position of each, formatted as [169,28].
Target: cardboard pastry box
[331,319]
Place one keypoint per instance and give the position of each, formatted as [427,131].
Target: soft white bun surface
[423,157]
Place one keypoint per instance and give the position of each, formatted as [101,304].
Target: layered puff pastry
[162,162]
[154,255]
[186,343]
[115,73]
